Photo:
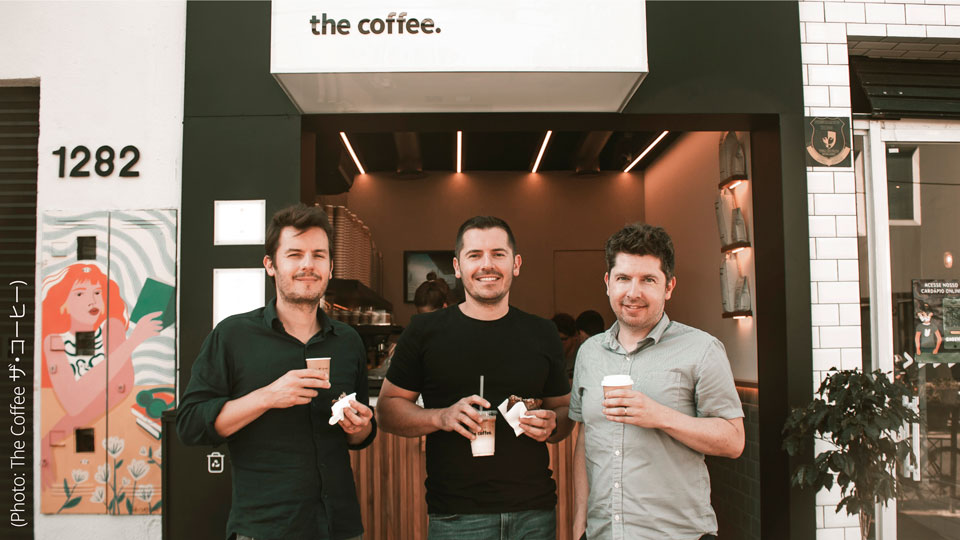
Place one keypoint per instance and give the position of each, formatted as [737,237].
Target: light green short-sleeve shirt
[645,484]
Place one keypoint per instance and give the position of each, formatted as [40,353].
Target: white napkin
[513,415]
[339,406]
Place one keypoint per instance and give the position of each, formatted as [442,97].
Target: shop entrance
[411,199]
[911,190]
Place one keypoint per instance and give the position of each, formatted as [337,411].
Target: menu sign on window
[936,309]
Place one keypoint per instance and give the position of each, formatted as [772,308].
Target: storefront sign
[936,306]
[430,55]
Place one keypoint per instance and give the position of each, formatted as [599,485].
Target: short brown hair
[301,217]
[642,239]
[483,223]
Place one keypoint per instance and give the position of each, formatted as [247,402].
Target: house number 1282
[104,161]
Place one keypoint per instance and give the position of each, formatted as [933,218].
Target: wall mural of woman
[107,353]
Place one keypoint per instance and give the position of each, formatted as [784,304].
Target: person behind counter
[646,445]
[441,356]
[567,328]
[250,388]
[431,296]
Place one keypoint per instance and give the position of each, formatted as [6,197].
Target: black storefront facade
[713,67]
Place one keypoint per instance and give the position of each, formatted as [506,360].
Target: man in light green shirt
[639,470]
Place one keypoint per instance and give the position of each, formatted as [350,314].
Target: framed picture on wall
[418,266]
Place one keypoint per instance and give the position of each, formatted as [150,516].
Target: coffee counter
[390,472]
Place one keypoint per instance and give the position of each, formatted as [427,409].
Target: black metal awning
[885,88]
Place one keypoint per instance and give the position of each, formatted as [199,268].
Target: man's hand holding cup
[295,387]
[463,416]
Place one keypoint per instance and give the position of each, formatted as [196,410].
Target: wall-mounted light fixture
[947,259]
[647,151]
[346,142]
[543,148]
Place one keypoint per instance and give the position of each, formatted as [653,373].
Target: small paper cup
[616,382]
[319,364]
[485,443]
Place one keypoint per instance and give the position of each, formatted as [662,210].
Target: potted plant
[859,414]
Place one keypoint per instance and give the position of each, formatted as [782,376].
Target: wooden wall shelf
[734,247]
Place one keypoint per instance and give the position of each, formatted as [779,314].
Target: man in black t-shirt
[441,357]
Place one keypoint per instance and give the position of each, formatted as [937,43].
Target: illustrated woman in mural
[75,302]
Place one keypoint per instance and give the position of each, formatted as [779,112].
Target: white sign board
[491,55]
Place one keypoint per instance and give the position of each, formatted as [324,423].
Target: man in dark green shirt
[250,388]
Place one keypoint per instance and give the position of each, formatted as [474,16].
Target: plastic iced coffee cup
[616,382]
[485,443]
[320,364]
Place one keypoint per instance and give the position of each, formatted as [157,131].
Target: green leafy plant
[859,414]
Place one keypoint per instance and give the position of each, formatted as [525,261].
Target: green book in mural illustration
[156,296]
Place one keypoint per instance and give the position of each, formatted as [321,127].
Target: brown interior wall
[680,190]
[548,212]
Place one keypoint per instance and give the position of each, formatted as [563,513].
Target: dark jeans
[242,537]
[704,537]
[525,525]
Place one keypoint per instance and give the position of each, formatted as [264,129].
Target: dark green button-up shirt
[291,469]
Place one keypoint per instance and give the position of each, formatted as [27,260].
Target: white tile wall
[831,497]
[845,181]
[825,315]
[906,30]
[832,518]
[820,182]
[813,53]
[925,14]
[945,32]
[846,226]
[834,266]
[848,270]
[825,32]
[829,204]
[811,11]
[952,15]
[853,533]
[839,292]
[843,12]
[885,13]
[823,226]
[866,30]
[837,248]
[849,314]
[828,75]
[826,359]
[851,358]
[839,336]
[816,95]
[823,270]
[830,534]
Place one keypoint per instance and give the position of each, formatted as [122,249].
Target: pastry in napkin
[512,410]
[339,406]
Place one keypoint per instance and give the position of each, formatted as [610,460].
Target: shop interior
[403,192]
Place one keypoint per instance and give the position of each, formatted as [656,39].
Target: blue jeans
[525,525]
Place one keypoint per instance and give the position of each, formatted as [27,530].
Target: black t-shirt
[441,355]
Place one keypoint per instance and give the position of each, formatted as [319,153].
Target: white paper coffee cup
[614,382]
[485,443]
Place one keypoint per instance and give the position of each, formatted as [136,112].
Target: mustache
[487,274]
[306,274]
